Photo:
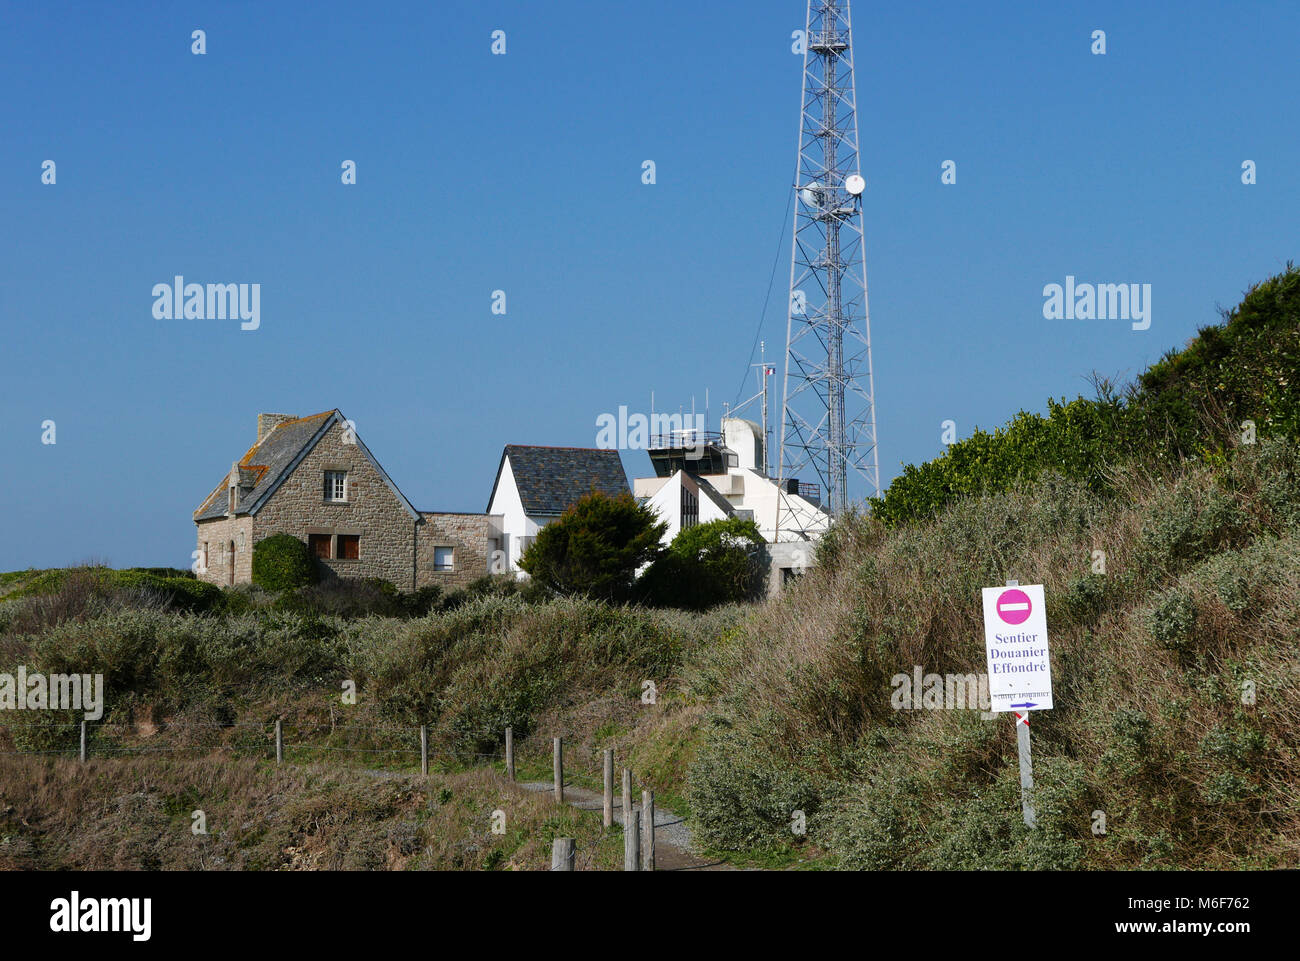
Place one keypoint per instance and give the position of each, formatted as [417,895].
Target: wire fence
[271,739]
[571,765]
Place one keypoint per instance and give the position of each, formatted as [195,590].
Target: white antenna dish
[812,195]
[855,184]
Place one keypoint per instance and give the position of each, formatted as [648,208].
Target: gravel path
[674,846]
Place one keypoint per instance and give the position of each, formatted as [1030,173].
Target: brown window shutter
[319,544]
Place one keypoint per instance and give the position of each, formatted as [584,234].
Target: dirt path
[674,850]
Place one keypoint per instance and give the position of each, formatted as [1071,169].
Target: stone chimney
[269,422]
[232,490]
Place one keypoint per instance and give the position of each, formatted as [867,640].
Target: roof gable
[718,501]
[551,479]
[274,458]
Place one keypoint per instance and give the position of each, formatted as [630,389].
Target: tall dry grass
[1154,663]
[139,815]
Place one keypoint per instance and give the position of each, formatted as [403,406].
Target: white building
[702,477]
[535,485]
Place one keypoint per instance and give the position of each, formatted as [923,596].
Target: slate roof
[270,459]
[552,479]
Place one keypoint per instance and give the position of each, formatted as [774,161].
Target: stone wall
[469,536]
[218,535]
[392,545]
[789,559]
[372,510]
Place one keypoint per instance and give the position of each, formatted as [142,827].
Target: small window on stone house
[349,547]
[319,545]
[444,559]
[336,486]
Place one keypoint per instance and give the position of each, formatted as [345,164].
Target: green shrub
[281,562]
[718,562]
[164,572]
[1188,524]
[1085,598]
[742,800]
[495,585]
[1173,619]
[1192,402]
[181,593]
[595,548]
[1075,440]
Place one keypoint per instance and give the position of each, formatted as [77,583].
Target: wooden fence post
[424,750]
[510,753]
[558,765]
[607,816]
[562,854]
[83,742]
[631,843]
[647,830]
[279,743]
[627,798]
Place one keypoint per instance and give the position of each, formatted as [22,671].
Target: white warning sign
[1015,642]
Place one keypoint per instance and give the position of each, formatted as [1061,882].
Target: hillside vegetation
[1167,541]
[1177,684]
[140,815]
[1192,402]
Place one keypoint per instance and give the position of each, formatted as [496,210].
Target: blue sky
[523,173]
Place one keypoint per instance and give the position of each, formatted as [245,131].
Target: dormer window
[336,486]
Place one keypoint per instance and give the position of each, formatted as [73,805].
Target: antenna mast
[828,417]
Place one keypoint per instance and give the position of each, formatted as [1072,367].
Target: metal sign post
[1020,669]
[1026,770]
[1026,759]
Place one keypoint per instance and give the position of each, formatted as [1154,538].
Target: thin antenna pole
[767,441]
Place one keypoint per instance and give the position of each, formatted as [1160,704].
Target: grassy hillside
[1177,678]
[1154,665]
[783,707]
[139,815]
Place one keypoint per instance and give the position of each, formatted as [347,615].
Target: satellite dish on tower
[855,184]
[814,195]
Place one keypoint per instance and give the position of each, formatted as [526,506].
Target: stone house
[313,478]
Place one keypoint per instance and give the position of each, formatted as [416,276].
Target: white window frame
[336,486]
[451,562]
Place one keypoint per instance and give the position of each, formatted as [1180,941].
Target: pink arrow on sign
[1014,606]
